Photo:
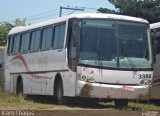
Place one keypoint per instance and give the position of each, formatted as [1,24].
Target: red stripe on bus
[20,57]
[156,81]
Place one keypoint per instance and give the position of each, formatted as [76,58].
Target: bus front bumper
[96,90]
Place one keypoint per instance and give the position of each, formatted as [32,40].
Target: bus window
[46,38]
[59,36]
[25,42]
[157,43]
[35,41]
[16,44]
[10,45]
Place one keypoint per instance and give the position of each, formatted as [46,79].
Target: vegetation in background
[147,9]
[5,27]
[19,22]
[1,81]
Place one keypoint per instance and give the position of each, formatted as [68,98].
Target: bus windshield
[116,44]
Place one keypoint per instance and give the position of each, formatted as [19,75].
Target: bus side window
[47,35]
[16,44]
[59,36]
[10,45]
[35,41]
[25,42]
[157,42]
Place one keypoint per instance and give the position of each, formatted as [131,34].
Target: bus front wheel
[121,103]
[59,93]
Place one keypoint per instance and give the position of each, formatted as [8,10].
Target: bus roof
[81,15]
[155,25]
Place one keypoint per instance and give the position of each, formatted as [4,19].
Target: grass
[9,101]
[1,80]
[144,106]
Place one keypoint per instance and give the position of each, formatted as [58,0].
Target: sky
[40,10]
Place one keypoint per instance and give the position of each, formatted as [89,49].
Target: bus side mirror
[74,36]
[74,31]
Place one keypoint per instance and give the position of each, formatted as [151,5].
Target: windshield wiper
[97,51]
[146,54]
[124,54]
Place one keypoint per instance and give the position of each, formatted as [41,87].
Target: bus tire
[121,103]
[59,93]
[19,87]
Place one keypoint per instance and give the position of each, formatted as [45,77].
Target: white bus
[155,33]
[95,55]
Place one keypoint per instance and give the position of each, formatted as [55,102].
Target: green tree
[19,22]
[106,10]
[147,9]
[5,27]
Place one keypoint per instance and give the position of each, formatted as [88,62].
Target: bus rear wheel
[121,103]
[59,93]
[20,87]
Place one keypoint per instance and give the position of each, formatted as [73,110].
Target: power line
[38,16]
[69,8]
[45,16]
[72,12]
[81,7]
[52,13]
[48,15]
[89,8]
[42,13]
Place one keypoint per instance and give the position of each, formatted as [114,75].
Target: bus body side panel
[39,70]
[69,83]
[46,86]
[156,79]
[26,84]
[38,86]
[11,82]
[7,76]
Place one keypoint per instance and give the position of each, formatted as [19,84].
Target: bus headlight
[149,82]
[92,79]
[142,82]
[145,82]
[83,78]
[87,78]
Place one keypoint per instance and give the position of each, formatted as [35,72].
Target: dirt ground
[87,113]
[70,113]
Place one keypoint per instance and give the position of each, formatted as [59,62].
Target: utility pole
[69,8]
